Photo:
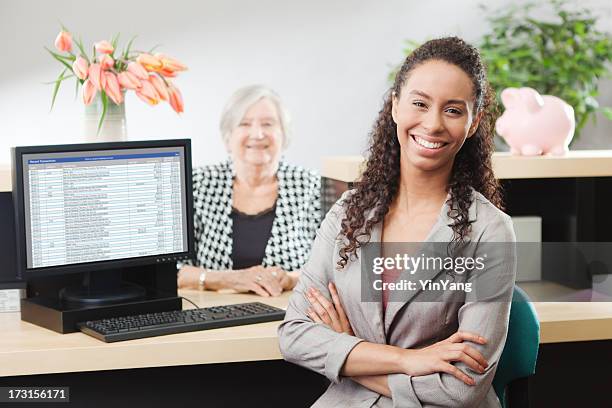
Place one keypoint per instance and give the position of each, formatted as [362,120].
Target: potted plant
[565,56]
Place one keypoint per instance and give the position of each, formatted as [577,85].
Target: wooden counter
[26,349]
[5,177]
[574,321]
[577,163]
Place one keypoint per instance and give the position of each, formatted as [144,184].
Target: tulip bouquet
[112,73]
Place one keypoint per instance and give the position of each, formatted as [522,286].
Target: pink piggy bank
[533,124]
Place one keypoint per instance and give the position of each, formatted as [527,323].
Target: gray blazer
[407,324]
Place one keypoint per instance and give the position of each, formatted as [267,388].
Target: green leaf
[154,48]
[67,58]
[76,89]
[56,88]
[115,40]
[607,112]
[60,78]
[129,46]
[79,44]
[59,58]
[63,26]
[103,115]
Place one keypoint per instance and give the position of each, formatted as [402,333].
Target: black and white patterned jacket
[298,215]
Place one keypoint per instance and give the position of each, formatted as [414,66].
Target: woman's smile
[258,146]
[426,143]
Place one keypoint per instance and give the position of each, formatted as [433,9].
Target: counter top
[574,321]
[5,178]
[26,349]
[577,163]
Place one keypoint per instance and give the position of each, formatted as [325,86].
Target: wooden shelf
[577,163]
[5,178]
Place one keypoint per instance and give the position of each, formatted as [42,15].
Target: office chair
[518,360]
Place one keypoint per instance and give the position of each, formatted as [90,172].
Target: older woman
[255,215]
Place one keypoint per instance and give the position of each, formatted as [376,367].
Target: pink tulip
[112,88]
[104,47]
[175,99]
[160,86]
[63,42]
[89,91]
[167,73]
[148,93]
[106,61]
[138,70]
[80,67]
[149,62]
[97,77]
[128,80]
[170,64]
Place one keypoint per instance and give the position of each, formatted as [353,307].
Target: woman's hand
[287,280]
[188,277]
[328,313]
[438,357]
[264,281]
[259,279]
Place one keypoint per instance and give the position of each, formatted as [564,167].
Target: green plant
[565,56]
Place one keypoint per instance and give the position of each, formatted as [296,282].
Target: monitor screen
[103,205]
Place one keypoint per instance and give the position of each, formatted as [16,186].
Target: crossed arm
[317,335]
[369,364]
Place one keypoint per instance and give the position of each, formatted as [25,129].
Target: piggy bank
[534,124]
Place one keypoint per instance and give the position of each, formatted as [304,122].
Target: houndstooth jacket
[298,215]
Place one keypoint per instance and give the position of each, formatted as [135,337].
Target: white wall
[329,61]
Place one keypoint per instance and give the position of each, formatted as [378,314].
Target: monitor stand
[104,294]
[99,289]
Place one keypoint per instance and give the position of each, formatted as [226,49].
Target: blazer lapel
[373,310]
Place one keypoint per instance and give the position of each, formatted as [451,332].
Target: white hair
[242,100]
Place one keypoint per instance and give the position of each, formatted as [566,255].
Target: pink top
[388,275]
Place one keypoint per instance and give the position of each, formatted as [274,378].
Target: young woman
[428,179]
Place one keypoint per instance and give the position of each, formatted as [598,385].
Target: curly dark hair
[472,168]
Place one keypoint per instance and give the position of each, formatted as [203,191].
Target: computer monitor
[101,208]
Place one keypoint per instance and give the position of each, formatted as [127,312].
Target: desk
[26,349]
[250,356]
[181,368]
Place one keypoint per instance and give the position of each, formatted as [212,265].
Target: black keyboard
[179,321]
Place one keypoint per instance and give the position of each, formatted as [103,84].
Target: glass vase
[113,127]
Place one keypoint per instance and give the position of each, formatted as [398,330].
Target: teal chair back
[518,360]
